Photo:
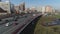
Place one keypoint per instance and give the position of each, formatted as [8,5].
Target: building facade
[43,10]
[39,9]
[16,9]
[49,9]
[7,6]
[22,6]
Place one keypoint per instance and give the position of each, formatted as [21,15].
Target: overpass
[22,23]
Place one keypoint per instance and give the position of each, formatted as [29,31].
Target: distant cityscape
[8,8]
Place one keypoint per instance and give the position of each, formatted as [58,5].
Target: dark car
[16,18]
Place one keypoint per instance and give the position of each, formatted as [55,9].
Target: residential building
[7,6]
[49,9]
[39,9]
[17,9]
[2,12]
[43,10]
[22,6]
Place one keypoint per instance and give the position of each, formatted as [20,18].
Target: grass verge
[47,30]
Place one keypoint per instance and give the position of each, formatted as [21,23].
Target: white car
[34,14]
[8,24]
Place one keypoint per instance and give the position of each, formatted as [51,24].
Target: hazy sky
[29,3]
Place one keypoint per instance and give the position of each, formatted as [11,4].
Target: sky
[37,3]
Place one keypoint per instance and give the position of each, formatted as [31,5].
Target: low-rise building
[2,12]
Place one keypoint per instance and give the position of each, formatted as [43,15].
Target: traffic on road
[8,24]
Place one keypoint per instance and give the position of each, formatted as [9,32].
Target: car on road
[3,22]
[8,24]
[34,14]
[16,18]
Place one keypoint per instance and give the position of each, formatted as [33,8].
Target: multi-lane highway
[16,23]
